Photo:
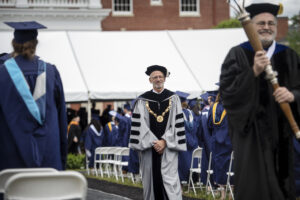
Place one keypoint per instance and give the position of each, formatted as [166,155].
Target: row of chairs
[110,161]
[42,184]
[197,156]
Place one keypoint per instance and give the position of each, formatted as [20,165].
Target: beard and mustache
[266,40]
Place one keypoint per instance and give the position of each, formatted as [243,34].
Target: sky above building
[290,7]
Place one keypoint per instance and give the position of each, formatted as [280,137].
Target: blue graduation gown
[204,139]
[123,140]
[23,141]
[124,130]
[110,135]
[297,165]
[92,141]
[185,157]
[4,57]
[221,144]
[133,163]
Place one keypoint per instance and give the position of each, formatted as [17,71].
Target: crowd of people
[162,128]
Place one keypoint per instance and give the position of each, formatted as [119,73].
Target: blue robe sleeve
[191,141]
[210,121]
[62,115]
[122,130]
[88,140]
[199,133]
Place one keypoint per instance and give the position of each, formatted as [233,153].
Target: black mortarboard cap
[153,68]
[258,8]
[25,31]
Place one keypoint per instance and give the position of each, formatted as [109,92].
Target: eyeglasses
[157,77]
[263,23]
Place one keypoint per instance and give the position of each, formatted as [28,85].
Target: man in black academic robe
[260,133]
[157,133]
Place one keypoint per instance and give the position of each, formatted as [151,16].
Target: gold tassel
[280,10]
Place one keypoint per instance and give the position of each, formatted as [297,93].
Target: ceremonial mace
[252,35]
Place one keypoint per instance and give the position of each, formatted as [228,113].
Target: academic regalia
[204,140]
[159,172]
[74,130]
[123,140]
[93,139]
[260,133]
[221,144]
[4,57]
[185,157]
[25,141]
[297,165]
[123,135]
[133,162]
[110,135]
[124,130]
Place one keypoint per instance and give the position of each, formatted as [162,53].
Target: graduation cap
[153,68]
[192,102]
[25,31]
[182,95]
[127,106]
[213,94]
[204,97]
[258,8]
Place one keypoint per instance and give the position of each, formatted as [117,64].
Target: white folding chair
[209,171]
[230,173]
[7,173]
[100,158]
[125,152]
[111,160]
[117,160]
[197,154]
[46,186]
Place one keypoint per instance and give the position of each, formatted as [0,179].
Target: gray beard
[266,43]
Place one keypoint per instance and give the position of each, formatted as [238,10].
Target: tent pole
[89,109]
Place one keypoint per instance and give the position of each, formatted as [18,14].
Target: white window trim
[122,13]
[156,3]
[190,14]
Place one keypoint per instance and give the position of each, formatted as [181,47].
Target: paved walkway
[93,194]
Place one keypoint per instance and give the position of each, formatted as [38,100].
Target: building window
[122,7]
[189,7]
[156,2]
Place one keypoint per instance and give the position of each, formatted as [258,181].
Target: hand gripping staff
[271,75]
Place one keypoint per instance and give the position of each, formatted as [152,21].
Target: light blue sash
[36,104]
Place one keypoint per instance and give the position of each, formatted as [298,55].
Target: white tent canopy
[111,65]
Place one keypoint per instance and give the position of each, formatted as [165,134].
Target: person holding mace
[260,133]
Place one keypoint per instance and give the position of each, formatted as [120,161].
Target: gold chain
[159,118]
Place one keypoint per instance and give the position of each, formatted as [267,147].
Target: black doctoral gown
[261,135]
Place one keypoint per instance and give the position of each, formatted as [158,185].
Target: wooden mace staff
[270,74]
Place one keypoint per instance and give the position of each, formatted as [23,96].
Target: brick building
[164,14]
[170,15]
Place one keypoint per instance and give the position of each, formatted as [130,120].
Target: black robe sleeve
[236,81]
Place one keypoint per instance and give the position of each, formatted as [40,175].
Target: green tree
[229,23]
[293,37]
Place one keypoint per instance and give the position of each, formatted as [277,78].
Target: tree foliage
[230,23]
[293,37]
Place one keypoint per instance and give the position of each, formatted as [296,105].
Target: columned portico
[55,14]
